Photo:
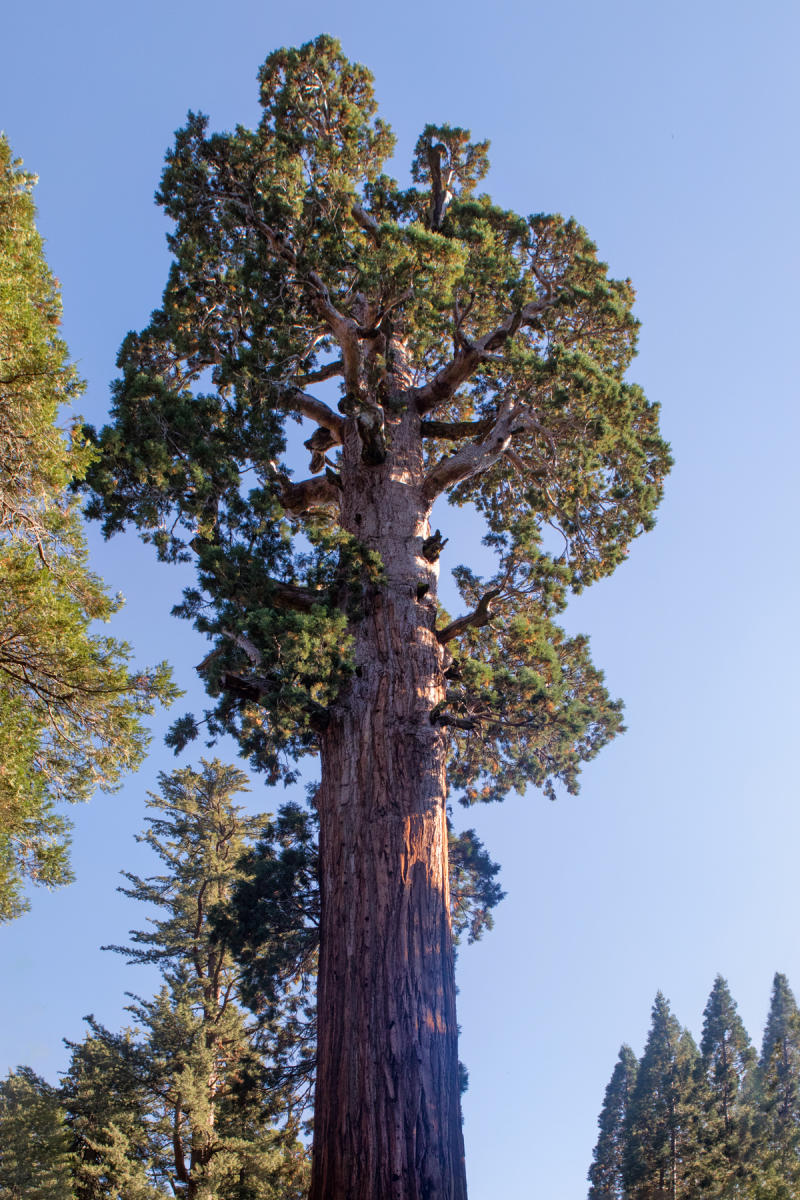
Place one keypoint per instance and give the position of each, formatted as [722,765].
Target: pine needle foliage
[71,708]
[35,1158]
[297,260]
[178,1104]
[713,1124]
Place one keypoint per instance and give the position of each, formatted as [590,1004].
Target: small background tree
[70,708]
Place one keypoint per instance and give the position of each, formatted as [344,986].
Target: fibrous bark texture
[387,1119]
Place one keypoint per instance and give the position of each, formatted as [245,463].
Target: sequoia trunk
[387,1123]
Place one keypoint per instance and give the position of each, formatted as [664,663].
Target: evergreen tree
[70,709]
[776,1160]
[480,355]
[34,1146]
[107,1108]
[178,1106]
[725,1087]
[606,1174]
[662,1117]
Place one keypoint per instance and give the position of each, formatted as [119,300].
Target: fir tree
[34,1145]
[107,1107]
[606,1174]
[70,708]
[662,1117]
[480,355]
[776,1160]
[725,1087]
[178,1105]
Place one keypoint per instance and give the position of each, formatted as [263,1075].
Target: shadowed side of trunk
[387,1112]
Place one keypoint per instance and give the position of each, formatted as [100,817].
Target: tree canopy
[297,260]
[71,708]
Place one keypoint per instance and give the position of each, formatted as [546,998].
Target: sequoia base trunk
[387,1122]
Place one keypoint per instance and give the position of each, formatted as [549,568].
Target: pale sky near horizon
[669,131]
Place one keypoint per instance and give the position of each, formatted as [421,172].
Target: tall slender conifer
[606,1174]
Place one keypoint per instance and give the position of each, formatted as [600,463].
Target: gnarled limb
[298,498]
[367,223]
[474,458]
[455,431]
[292,399]
[343,328]
[470,356]
[329,371]
[481,615]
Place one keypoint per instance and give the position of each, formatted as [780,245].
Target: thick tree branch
[471,355]
[289,595]
[367,223]
[298,498]
[482,615]
[440,192]
[295,400]
[343,328]
[474,458]
[329,371]
[455,431]
[243,642]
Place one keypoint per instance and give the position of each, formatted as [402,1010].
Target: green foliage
[661,1114]
[70,708]
[177,1105]
[714,1124]
[34,1146]
[725,1084]
[778,1119]
[606,1174]
[297,259]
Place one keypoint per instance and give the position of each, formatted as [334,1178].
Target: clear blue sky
[670,132]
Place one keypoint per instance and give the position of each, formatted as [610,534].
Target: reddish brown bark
[387,1111]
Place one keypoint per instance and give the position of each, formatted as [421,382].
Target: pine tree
[34,1145]
[70,709]
[662,1117]
[178,1104]
[725,1086]
[606,1174]
[107,1105]
[776,1162]
[480,355]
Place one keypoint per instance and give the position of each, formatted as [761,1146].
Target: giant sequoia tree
[480,355]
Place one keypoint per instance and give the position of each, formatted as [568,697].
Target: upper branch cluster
[298,261]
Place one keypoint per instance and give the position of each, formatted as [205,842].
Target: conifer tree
[776,1161]
[480,355]
[606,1174]
[34,1145]
[725,1091]
[107,1107]
[70,708]
[662,1117]
[181,1099]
